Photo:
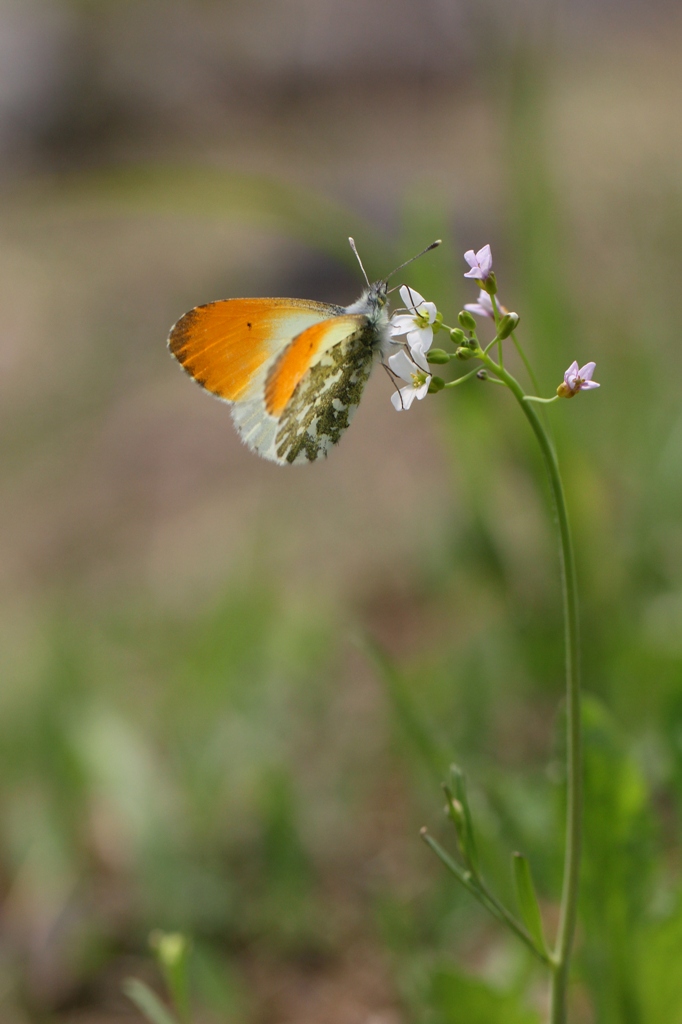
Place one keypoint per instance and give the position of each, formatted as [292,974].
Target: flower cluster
[481,263]
[415,326]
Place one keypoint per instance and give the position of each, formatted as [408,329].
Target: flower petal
[408,396]
[483,307]
[422,391]
[486,302]
[420,338]
[410,297]
[484,258]
[430,308]
[401,323]
[418,353]
[585,372]
[571,373]
[481,262]
[402,365]
[587,385]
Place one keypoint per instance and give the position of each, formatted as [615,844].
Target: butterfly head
[372,303]
[378,294]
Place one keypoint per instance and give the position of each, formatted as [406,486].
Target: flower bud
[458,336]
[507,325]
[466,321]
[437,384]
[464,352]
[438,355]
[455,811]
[170,947]
[489,284]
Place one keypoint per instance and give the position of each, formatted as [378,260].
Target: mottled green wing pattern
[325,400]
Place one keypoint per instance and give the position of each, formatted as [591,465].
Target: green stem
[496,316]
[460,380]
[569,898]
[480,891]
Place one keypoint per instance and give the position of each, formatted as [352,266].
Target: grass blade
[147,1002]
[528,901]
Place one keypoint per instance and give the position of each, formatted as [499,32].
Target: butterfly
[292,370]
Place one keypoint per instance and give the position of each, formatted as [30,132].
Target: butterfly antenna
[357,256]
[434,245]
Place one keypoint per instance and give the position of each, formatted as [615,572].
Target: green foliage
[147,1002]
[616,882]
[190,778]
[657,953]
[452,997]
[172,952]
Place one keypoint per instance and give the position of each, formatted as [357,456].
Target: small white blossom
[415,372]
[481,263]
[416,323]
[577,379]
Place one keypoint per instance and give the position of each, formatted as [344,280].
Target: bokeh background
[192,733]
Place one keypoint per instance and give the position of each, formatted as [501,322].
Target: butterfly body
[292,370]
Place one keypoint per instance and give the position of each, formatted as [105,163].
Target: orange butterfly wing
[292,369]
[225,345]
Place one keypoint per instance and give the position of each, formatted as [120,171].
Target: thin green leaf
[459,788]
[147,1002]
[528,901]
[172,952]
[465,877]
[462,828]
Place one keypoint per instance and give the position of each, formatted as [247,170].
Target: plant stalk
[561,957]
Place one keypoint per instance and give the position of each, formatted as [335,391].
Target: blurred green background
[191,735]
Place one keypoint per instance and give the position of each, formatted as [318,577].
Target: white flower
[481,263]
[416,323]
[416,373]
